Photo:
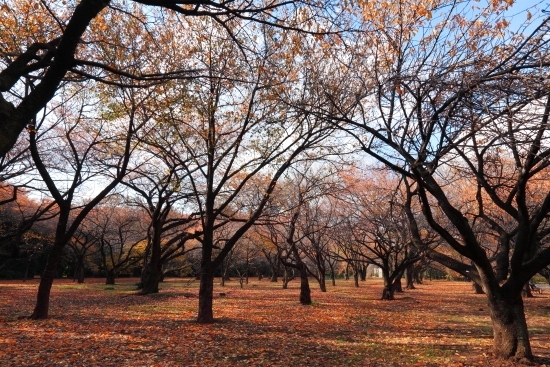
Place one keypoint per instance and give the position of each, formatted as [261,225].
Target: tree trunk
[152,273]
[397,285]
[388,291]
[356,278]
[322,283]
[305,292]
[110,279]
[206,295]
[477,288]
[150,279]
[409,277]
[286,278]
[42,305]
[363,273]
[80,271]
[511,338]
[526,292]
[28,265]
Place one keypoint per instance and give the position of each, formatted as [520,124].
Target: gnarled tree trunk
[511,338]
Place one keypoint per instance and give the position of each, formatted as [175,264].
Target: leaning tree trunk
[42,305]
[478,289]
[43,297]
[511,338]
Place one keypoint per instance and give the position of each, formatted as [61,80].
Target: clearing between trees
[441,323]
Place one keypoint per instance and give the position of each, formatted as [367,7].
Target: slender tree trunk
[206,295]
[322,284]
[42,305]
[356,278]
[409,277]
[346,274]
[511,338]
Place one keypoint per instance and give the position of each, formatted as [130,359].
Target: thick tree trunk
[305,292]
[150,280]
[110,279]
[206,295]
[152,274]
[511,338]
[388,291]
[356,279]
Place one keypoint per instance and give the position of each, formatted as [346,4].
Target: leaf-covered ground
[439,324]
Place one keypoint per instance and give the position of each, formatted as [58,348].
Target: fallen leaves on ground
[439,324]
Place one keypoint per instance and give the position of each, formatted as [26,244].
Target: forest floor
[440,323]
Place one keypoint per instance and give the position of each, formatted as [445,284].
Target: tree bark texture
[511,338]
[206,293]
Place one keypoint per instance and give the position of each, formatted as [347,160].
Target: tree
[450,98]
[68,154]
[240,139]
[80,245]
[121,234]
